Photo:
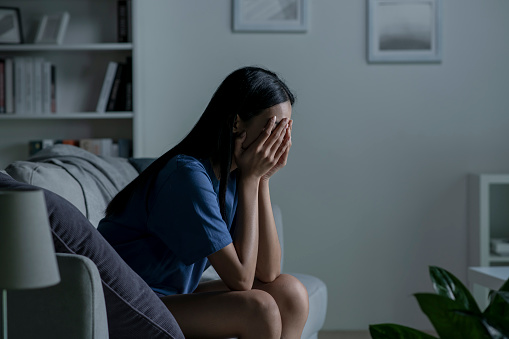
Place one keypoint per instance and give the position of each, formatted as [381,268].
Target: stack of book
[27,86]
[99,146]
[117,89]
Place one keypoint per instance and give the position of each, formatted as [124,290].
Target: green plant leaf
[503,294]
[393,331]
[491,325]
[497,312]
[447,319]
[447,285]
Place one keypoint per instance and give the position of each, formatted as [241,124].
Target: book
[35,146]
[2,86]
[53,89]
[97,146]
[106,87]
[29,85]
[127,91]
[115,89]
[19,85]
[46,88]
[9,86]
[71,142]
[125,148]
[122,21]
[37,85]
[129,21]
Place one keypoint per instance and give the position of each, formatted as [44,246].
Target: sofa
[78,186]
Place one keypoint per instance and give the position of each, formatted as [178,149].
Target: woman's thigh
[220,314]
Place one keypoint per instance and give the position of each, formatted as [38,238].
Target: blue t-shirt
[171,225]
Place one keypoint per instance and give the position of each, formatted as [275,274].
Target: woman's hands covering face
[268,153]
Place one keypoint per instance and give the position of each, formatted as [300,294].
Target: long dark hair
[246,92]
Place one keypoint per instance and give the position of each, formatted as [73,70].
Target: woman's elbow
[240,285]
[268,277]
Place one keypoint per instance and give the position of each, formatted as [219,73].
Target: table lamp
[27,254]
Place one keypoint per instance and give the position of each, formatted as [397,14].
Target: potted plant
[454,313]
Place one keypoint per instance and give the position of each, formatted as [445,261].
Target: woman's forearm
[268,265]
[246,238]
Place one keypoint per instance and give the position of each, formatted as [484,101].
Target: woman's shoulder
[184,165]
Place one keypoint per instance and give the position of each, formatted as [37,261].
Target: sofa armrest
[74,308]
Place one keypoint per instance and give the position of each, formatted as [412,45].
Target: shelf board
[64,116]
[499,259]
[70,47]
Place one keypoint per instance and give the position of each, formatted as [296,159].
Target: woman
[207,201]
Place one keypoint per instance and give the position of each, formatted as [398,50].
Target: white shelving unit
[488,218]
[81,62]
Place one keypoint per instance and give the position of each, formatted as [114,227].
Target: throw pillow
[133,309]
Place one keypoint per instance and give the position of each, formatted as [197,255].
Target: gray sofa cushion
[133,309]
[86,180]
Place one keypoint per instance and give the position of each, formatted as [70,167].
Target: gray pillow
[133,309]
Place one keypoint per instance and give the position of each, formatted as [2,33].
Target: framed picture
[404,31]
[270,15]
[52,29]
[10,26]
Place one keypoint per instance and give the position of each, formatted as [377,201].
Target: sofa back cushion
[133,309]
[51,177]
[86,180]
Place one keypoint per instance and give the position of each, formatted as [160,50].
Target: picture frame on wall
[10,26]
[402,31]
[270,16]
[52,29]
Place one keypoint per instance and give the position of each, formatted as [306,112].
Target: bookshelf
[488,219]
[81,61]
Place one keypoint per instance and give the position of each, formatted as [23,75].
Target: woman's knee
[292,293]
[263,311]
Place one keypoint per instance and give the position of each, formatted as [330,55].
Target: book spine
[38,65]
[115,88]
[90,145]
[72,142]
[9,86]
[106,88]
[106,147]
[53,89]
[19,85]
[122,21]
[125,148]
[129,21]
[128,88]
[46,87]
[29,89]
[2,86]
[63,27]
[34,146]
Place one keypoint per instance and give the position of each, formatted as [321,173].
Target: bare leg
[291,298]
[243,314]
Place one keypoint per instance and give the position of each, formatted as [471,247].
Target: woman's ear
[237,124]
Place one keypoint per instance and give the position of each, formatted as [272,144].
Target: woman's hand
[263,155]
[282,153]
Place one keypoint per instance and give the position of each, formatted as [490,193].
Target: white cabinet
[488,219]
[81,62]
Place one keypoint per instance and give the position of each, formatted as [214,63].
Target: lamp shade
[27,253]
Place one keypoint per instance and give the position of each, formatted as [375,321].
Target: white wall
[375,189]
